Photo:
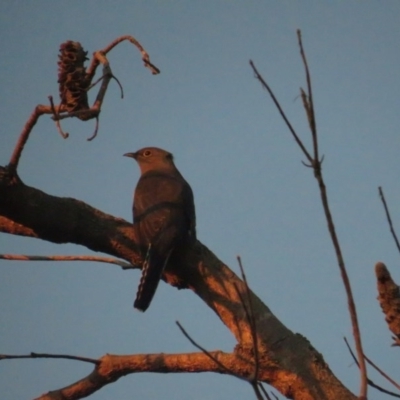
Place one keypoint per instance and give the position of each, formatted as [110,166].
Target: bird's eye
[147,153]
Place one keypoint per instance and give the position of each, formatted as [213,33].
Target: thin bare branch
[386,376]
[113,77]
[257,391]
[317,168]
[309,96]
[207,353]
[251,319]
[260,385]
[280,109]
[248,312]
[45,355]
[346,281]
[370,382]
[145,57]
[63,134]
[389,219]
[96,128]
[23,138]
[310,111]
[275,396]
[252,382]
[108,260]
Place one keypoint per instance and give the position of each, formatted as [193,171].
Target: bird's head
[152,158]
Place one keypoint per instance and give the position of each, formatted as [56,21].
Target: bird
[163,217]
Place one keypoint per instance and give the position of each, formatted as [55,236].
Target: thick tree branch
[112,367]
[30,212]
[299,371]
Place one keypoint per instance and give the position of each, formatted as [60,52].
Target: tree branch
[316,164]
[389,219]
[82,78]
[302,371]
[112,367]
[370,382]
[107,260]
[45,355]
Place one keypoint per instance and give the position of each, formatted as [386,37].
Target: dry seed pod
[72,79]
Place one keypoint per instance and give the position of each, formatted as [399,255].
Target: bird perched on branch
[163,216]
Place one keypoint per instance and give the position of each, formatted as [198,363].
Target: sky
[253,196]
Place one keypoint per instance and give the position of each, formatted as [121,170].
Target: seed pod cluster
[72,78]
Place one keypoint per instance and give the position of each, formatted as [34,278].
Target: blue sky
[253,197]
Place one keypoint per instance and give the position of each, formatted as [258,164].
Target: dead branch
[248,309]
[45,355]
[253,378]
[316,164]
[206,352]
[370,382]
[110,368]
[251,320]
[389,219]
[75,82]
[287,361]
[108,260]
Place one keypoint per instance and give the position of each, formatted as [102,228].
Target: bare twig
[264,391]
[252,382]
[275,396]
[145,57]
[249,311]
[332,230]
[310,102]
[44,355]
[251,319]
[280,109]
[373,365]
[389,219]
[316,164]
[63,134]
[113,77]
[108,260]
[96,128]
[207,353]
[257,391]
[23,138]
[370,382]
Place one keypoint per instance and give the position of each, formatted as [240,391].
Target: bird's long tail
[152,270]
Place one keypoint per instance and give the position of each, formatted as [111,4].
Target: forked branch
[75,82]
[370,382]
[316,165]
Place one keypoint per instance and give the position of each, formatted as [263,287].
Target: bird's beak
[132,155]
